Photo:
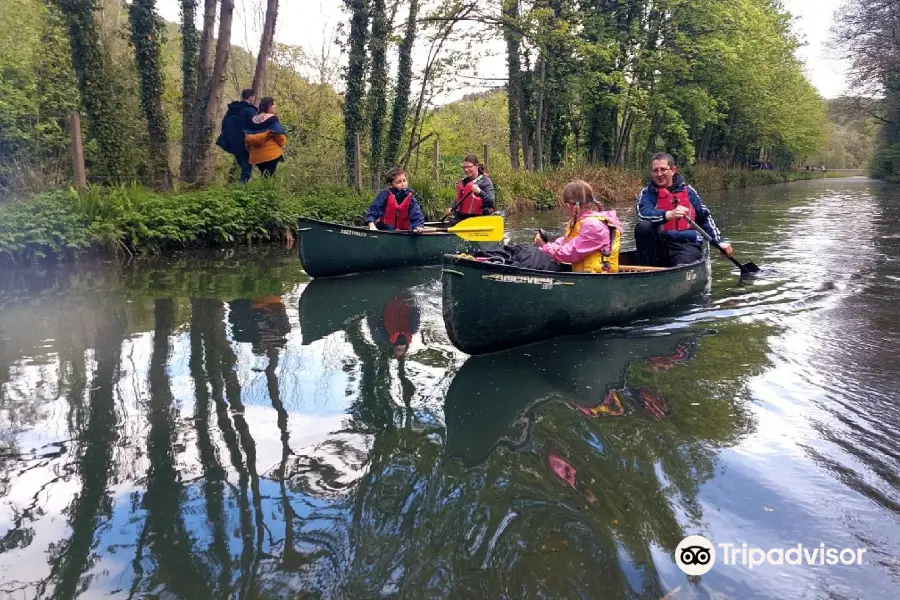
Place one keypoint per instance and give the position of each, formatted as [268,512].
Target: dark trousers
[656,250]
[268,168]
[242,161]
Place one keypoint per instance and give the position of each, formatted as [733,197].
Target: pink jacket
[594,236]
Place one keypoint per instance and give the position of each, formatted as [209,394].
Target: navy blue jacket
[237,118]
[647,211]
[376,211]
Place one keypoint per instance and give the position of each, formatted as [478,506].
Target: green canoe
[328,249]
[489,307]
[493,399]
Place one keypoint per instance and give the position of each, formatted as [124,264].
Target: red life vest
[666,200]
[398,319]
[395,214]
[467,203]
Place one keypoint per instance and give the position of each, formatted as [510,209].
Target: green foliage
[99,97]
[886,163]
[146,31]
[135,219]
[37,96]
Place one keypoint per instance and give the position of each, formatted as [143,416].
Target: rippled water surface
[217,426]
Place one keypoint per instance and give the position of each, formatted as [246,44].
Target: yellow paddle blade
[480,229]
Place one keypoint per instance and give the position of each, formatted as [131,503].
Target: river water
[213,425]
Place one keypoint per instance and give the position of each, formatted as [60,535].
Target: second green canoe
[328,249]
[489,307]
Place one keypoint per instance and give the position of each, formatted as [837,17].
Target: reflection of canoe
[328,249]
[328,305]
[490,307]
[492,398]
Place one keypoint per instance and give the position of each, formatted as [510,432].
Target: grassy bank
[129,220]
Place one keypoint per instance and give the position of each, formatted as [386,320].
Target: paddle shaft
[708,237]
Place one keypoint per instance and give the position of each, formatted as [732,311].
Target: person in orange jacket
[265,137]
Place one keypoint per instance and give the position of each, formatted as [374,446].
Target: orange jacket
[264,139]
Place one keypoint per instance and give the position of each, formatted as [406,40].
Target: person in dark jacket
[236,120]
[663,237]
[395,207]
[474,192]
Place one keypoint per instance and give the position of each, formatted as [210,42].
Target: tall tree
[190,48]
[510,13]
[146,31]
[378,79]
[868,32]
[402,89]
[200,95]
[355,76]
[98,98]
[265,47]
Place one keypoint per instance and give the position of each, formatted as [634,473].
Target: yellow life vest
[594,262]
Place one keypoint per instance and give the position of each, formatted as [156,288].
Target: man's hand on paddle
[678,212]
[726,247]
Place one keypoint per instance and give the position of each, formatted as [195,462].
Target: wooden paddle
[487,228]
[746,268]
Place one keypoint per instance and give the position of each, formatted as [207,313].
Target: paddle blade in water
[480,229]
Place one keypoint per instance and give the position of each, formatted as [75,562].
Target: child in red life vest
[395,208]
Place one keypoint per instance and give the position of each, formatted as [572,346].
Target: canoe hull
[489,307]
[329,249]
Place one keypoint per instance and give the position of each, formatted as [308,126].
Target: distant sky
[307,22]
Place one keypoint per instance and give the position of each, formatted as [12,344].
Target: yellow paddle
[488,228]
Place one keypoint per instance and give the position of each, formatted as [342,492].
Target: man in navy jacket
[663,237]
[236,120]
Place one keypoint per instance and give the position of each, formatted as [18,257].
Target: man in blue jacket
[663,237]
[236,120]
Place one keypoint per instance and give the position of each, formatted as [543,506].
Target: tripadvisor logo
[695,555]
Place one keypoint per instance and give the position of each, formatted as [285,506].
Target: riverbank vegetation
[593,88]
[866,32]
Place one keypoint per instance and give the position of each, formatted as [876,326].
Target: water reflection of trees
[384,505]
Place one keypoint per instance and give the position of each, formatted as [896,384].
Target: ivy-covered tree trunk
[214,97]
[378,44]
[355,76]
[404,83]
[190,47]
[100,104]
[510,12]
[146,30]
[265,48]
[191,137]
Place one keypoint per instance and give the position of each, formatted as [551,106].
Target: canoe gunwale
[454,259]
[324,225]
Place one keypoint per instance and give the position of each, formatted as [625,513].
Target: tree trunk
[265,48]
[404,83]
[99,102]
[191,138]
[190,46]
[356,77]
[378,43]
[540,117]
[146,29]
[510,11]
[211,111]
